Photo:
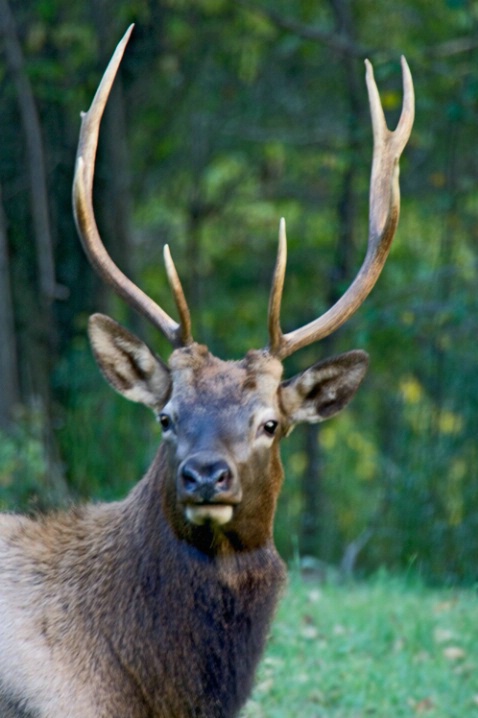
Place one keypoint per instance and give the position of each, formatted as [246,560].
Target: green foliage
[233,115]
[24,475]
[108,441]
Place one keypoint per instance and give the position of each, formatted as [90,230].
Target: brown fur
[128,609]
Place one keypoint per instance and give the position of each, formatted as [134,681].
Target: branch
[452,47]
[340,44]
[344,46]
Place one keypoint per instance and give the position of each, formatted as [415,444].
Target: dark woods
[160,604]
[225,117]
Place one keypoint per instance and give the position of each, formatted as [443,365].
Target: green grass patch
[386,648]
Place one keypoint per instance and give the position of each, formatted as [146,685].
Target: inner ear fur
[325,388]
[128,364]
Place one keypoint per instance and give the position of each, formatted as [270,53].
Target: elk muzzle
[209,488]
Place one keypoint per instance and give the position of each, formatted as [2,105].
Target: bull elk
[159,605]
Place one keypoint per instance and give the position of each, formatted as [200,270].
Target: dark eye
[165,422]
[270,427]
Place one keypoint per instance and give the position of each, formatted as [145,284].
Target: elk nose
[203,480]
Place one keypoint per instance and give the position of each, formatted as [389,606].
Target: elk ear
[324,389]
[128,364]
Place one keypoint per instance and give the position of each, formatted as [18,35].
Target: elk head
[222,421]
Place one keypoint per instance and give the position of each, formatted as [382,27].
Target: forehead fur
[194,370]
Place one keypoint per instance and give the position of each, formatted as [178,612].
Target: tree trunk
[40,339]
[312,495]
[36,159]
[9,395]
[311,535]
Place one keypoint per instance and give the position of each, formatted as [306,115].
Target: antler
[177,334]
[383,220]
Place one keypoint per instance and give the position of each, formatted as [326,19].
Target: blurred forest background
[227,115]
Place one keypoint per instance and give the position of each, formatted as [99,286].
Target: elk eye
[270,427]
[165,422]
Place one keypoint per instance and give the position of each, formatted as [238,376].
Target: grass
[381,649]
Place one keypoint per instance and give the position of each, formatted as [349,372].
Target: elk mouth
[208,488]
[200,514]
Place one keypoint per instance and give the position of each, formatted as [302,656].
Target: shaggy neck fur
[170,628]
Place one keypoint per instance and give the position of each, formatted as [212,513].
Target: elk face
[221,425]
[222,421]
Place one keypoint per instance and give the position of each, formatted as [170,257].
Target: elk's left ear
[324,389]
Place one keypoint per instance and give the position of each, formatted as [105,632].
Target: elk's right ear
[128,364]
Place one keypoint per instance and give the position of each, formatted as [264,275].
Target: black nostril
[191,477]
[196,475]
[222,476]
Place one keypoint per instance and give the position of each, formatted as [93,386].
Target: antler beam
[383,219]
[176,334]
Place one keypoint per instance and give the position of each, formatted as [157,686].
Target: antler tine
[275,299]
[176,334]
[383,219]
[179,298]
